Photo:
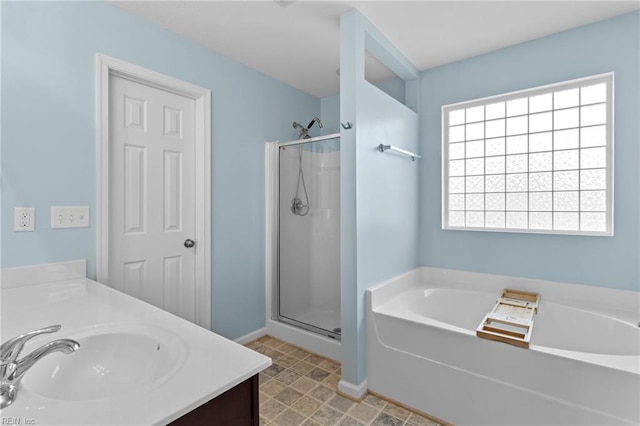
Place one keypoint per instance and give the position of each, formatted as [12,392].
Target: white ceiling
[298,42]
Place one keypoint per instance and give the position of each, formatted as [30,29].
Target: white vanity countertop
[206,366]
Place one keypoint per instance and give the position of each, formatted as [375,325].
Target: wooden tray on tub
[511,319]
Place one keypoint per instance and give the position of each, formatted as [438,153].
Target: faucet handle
[10,349]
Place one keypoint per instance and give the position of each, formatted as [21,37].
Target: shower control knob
[189,243]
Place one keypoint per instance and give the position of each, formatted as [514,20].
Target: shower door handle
[188,243]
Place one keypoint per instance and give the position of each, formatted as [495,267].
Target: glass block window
[537,160]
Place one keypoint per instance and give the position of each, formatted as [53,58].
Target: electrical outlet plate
[69,217]
[24,219]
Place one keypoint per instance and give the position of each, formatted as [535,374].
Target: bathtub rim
[624,304]
[376,345]
[424,278]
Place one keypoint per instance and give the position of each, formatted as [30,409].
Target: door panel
[151,195]
[135,172]
[172,191]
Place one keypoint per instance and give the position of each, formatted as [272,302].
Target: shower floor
[325,319]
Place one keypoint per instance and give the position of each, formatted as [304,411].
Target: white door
[151,196]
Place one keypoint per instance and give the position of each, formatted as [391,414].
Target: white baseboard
[243,340]
[354,391]
[324,346]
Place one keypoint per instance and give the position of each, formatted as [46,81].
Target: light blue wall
[330,114]
[394,87]
[48,139]
[330,105]
[610,45]
[379,191]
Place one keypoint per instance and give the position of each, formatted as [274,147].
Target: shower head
[315,120]
[304,131]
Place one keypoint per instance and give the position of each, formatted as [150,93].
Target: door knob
[188,243]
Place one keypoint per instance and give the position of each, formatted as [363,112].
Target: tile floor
[299,389]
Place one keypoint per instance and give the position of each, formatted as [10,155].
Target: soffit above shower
[297,42]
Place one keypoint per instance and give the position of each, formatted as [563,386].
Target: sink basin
[110,362]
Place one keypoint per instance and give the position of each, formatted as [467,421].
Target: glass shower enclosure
[308,235]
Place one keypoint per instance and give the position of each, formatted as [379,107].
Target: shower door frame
[275,313]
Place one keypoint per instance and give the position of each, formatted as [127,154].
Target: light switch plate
[24,219]
[69,217]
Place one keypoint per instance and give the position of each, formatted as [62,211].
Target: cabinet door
[238,406]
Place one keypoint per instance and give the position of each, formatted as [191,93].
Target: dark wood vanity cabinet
[236,407]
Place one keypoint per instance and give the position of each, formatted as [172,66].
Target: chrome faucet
[12,370]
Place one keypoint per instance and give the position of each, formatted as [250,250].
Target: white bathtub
[582,367]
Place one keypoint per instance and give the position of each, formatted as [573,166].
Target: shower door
[309,235]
